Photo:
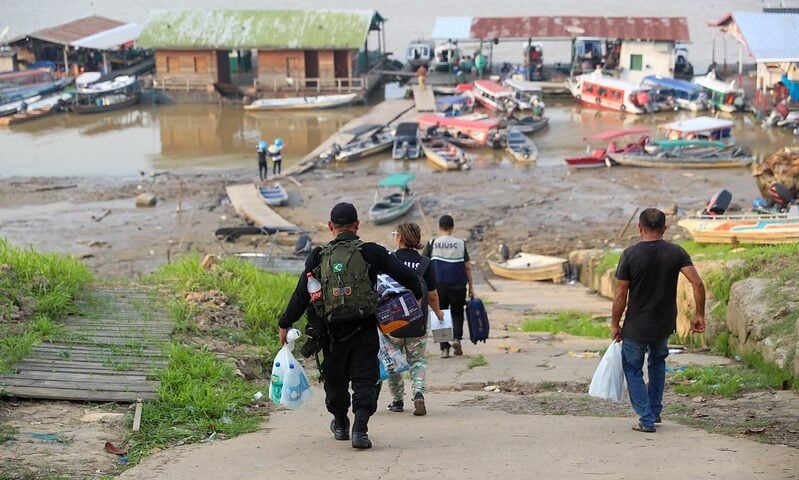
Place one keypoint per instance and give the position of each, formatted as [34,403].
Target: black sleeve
[391,265]
[623,270]
[299,299]
[430,278]
[465,253]
[428,248]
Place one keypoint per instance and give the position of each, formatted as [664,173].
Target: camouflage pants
[415,351]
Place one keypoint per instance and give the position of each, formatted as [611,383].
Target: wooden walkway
[109,353]
[248,204]
[424,99]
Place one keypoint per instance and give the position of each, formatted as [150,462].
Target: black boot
[360,439]
[340,426]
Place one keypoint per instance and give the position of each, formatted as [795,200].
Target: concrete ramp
[424,98]
[248,204]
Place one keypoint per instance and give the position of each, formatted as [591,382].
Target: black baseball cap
[343,214]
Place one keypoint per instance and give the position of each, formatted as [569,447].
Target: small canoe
[388,207]
[530,267]
[275,195]
[746,228]
[521,148]
[27,116]
[444,155]
[302,103]
[376,143]
[528,124]
[274,263]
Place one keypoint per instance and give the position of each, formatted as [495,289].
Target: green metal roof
[688,143]
[396,180]
[263,29]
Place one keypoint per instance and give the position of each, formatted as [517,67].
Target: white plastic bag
[608,380]
[441,329]
[289,384]
[390,358]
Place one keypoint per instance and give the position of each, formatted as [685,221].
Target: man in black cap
[647,289]
[347,269]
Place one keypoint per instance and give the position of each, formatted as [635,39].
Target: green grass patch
[723,381]
[261,296]
[609,260]
[573,323]
[36,289]
[199,397]
[478,361]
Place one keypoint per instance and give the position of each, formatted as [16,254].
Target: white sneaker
[445,353]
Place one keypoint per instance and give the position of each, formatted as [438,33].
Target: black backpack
[417,329]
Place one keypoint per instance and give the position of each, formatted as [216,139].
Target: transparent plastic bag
[608,380]
[390,358]
[289,384]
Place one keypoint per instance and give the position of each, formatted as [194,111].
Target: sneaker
[418,405]
[456,347]
[658,420]
[445,353]
[396,406]
[640,428]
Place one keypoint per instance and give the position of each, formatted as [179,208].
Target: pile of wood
[781,167]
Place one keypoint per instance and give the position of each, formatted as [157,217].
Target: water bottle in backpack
[314,287]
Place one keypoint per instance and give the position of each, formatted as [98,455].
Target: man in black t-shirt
[647,289]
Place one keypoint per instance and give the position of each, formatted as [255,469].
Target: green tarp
[399,180]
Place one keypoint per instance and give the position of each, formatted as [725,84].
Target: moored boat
[37,109]
[527,95]
[274,196]
[527,124]
[746,228]
[521,148]
[419,52]
[121,92]
[406,142]
[686,154]
[673,93]
[723,96]
[375,143]
[493,96]
[302,103]
[598,157]
[483,132]
[393,198]
[443,154]
[530,267]
[596,90]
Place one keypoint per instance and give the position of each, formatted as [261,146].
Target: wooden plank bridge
[110,352]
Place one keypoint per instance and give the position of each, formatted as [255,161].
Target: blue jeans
[647,400]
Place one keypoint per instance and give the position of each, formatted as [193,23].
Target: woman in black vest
[407,240]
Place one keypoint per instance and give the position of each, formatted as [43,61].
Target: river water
[162,137]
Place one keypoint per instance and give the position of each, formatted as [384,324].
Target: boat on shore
[393,198]
[530,267]
[97,97]
[521,148]
[406,142]
[751,228]
[274,196]
[375,143]
[598,157]
[443,154]
[302,103]
[272,262]
[686,154]
[600,91]
[527,124]
[723,96]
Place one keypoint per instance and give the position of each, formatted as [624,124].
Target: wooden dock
[248,204]
[110,353]
[383,113]
[424,99]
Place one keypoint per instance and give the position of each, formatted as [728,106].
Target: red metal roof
[625,28]
[492,87]
[72,31]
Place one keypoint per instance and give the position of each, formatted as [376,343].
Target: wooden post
[106,64]
[137,416]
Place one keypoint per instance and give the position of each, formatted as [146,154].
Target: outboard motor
[780,194]
[504,251]
[718,203]
[303,245]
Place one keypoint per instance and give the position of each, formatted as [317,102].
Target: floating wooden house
[277,51]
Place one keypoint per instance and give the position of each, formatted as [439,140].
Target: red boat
[599,156]
[483,132]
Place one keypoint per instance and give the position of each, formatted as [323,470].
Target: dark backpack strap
[424,264]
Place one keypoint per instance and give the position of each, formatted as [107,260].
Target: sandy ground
[535,209]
